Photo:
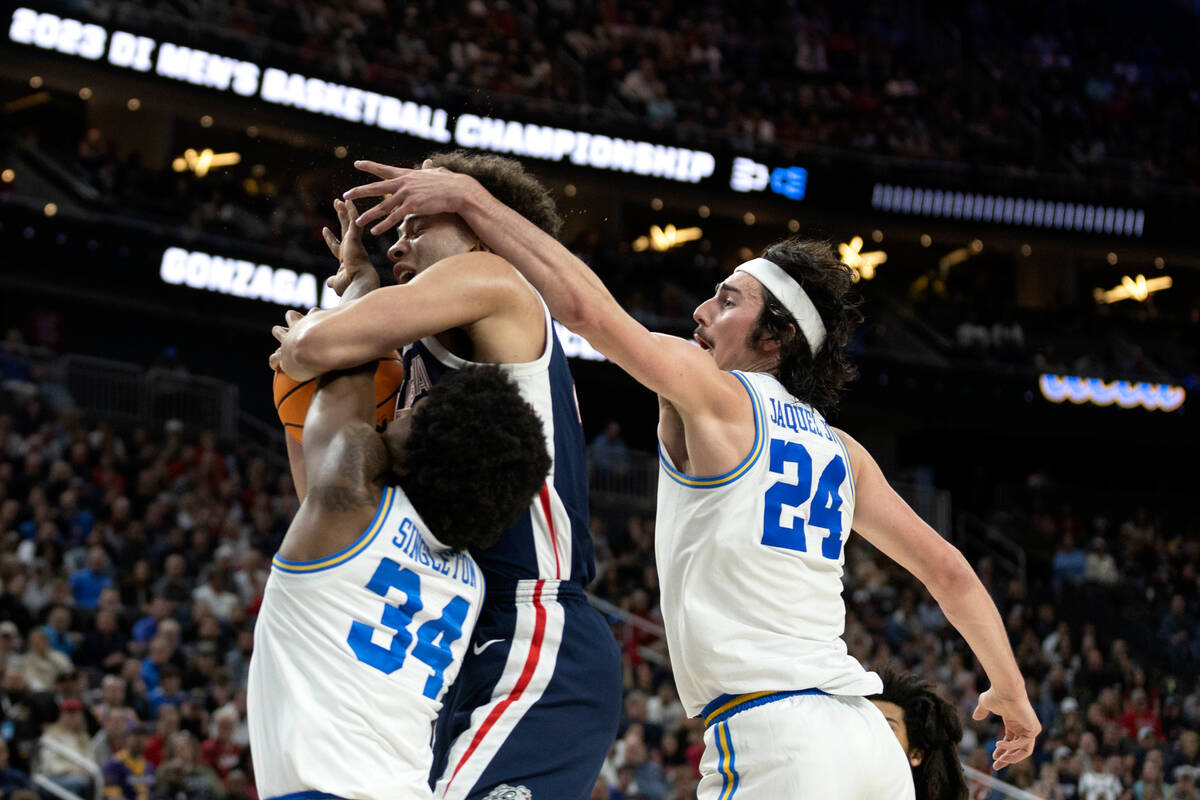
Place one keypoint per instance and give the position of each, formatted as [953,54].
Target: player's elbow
[948,574]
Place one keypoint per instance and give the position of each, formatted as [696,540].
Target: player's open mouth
[403,274]
[703,344]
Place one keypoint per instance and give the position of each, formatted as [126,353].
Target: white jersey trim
[540,364]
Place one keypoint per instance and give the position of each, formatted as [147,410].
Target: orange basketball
[292,397]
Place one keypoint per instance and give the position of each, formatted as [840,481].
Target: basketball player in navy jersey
[543,665]
[757,494]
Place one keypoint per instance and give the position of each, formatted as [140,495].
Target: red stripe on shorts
[531,660]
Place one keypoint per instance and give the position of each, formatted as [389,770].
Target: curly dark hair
[934,730]
[507,181]
[475,457]
[815,380]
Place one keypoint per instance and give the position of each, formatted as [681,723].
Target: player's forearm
[338,338]
[364,282]
[967,607]
[570,288]
[343,397]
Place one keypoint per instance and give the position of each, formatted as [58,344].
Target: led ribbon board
[1126,394]
[1025,211]
[245,279]
[248,79]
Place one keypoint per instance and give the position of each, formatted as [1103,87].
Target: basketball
[292,397]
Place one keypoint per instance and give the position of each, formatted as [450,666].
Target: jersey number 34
[433,637]
[825,510]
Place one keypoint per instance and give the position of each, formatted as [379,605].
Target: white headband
[785,288]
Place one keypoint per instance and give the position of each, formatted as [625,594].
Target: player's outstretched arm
[456,292]
[576,296]
[883,518]
[355,277]
[345,461]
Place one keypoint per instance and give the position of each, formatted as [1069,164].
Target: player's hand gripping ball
[292,397]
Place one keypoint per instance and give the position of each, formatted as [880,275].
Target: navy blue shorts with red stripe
[537,702]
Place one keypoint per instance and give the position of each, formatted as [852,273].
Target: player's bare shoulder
[858,454]
[510,319]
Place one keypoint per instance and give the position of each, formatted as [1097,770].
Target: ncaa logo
[506,792]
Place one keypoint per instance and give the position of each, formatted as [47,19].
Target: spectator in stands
[104,645]
[58,629]
[65,753]
[145,628]
[166,725]
[1069,565]
[115,726]
[87,583]
[11,779]
[42,666]
[221,752]
[1140,715]
[1185,785]
[10,640]
[1186,752]
[128,775]
[1150,786]
[1099,564]
[182,772]
[215,594]
[1102,782]
[609,453]
[169,692]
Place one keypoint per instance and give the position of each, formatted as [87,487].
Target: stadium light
[202,162]
[1133,288]
[1003,210]
[863,264]
[661,240]
[1097,392]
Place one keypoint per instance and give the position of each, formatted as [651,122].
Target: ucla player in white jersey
[372,599]
[757,496]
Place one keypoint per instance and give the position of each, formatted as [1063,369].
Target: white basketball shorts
[783,745]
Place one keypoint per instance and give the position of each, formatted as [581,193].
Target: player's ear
[916,756]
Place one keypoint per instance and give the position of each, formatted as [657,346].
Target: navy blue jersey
[550,541]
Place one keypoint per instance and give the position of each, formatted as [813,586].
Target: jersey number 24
[825,510]
[433,637]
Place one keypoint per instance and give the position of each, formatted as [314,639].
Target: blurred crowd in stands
[1105,94]
[132,563]
[1102,91]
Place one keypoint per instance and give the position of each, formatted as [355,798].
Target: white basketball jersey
[750,562]
[352,654]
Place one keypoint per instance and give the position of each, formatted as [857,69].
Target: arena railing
[977,780]
[632,486]
[129,395]
[49,786]
[978,540]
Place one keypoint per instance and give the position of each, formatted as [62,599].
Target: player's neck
[758,363]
